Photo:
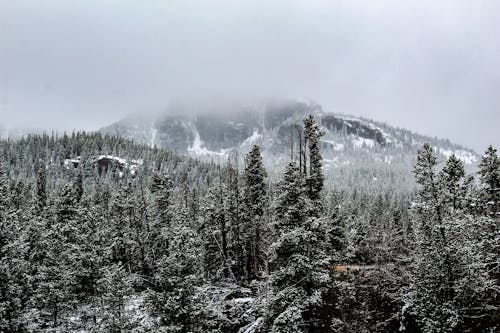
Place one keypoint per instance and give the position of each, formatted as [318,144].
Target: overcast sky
[432,66]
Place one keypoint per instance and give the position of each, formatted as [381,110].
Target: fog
[429,66]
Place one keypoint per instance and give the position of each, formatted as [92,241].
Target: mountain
[357,152]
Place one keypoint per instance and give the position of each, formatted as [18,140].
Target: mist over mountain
[355,150]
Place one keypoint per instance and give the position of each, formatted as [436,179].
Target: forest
[101,234]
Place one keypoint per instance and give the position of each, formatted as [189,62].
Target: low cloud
[430,66]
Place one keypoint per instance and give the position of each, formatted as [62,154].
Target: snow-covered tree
[489,171]
[41,187]
[453,184]
[449,267]
[299,264]
[315,178]
[254,203]
[214,232]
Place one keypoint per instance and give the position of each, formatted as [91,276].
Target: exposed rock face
[354,127]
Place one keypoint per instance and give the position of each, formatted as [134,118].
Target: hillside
[356,151]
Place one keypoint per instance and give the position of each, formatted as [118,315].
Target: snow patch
[72,162]
[253,327]
[362,142]
[466,156]
[244,300]
[254,138]
[198,147]
[154,134]
[336,146]
[117,159]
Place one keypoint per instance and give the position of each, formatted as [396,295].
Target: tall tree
[161,187]
[214,233]
[298,261]
[489,171]
[429,196]
[235,216]
[315,178]
[41,187]
[254,201]
[452,181]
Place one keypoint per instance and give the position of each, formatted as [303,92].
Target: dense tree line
[171,244]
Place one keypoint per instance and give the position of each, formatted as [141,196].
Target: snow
[405,307]
[254,138]
[253,326]
[154,134]
[336,146]
[386,136]
[244,300]
[198,149]
[68,163]
[111,157]
[347,119]
[466,156]
[362,142]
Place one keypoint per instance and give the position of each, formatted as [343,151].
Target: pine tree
[161,187]
[448,270]
[300,266]
[214,234]
[489,171]
[451,180]
[174,296]
[235,219]
[4,188]
[41,187]
[429,196]
[12,282]
[315,179]
[113,287]
[291,201]
[57,273]
[254,200]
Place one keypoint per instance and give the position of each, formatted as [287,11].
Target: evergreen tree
[214,234]
[161,187]
[448,268]
[452,178]
[429,196]
[12,265]
[57,274]
[235,219]
[254,200]
[315,179]
[113,287]
[174,298]
[300,266]
[41,187]
[489,171]
[291,201]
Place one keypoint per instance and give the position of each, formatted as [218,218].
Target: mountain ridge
[355,150]
[202,133]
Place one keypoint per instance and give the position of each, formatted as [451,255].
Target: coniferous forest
[100,234]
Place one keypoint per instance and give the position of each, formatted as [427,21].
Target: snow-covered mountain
[354,149]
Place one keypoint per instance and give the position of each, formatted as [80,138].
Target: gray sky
[432,66]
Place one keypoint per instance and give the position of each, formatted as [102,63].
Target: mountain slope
[357,152]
